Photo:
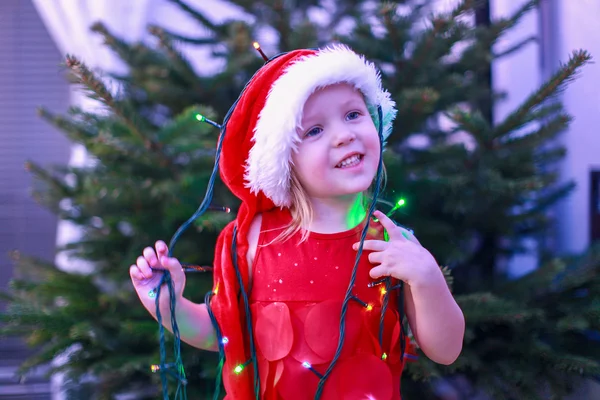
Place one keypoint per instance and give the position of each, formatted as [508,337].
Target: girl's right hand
[147,273]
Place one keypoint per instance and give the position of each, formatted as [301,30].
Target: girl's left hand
[402,257]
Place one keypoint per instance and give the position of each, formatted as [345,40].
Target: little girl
[302,305]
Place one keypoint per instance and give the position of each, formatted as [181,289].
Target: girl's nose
[343,137]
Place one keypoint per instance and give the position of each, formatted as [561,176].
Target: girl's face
[339,151]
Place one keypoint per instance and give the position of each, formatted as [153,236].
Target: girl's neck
[331,215]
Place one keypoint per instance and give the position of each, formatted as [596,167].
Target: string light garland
[257,47]
[176,370]
[240,367]
[376,283]
[202,118]
[365,305]
[246,302]
[384,305]
[196,268]
[308,366]
[166,280]
[400,203]
[164,369]
[155,367]
[348,297]
[221,341]
[201,209]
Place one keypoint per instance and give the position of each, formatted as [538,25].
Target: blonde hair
[302,211]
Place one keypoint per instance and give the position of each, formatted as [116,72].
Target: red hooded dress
[298,321]
[296,300]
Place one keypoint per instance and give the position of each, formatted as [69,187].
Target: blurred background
[495,155]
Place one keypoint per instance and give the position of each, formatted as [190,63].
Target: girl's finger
[379,271]
[372,245]
[394,232]
[135,273]
[161,249]
[150,256]
[172,264]
[375,258]
[144,268]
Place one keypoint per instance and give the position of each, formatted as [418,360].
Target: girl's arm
[195,326]
[436,321]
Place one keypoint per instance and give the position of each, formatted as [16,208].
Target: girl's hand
[147,272]
[402,257]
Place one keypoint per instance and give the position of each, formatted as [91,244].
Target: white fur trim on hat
[269,163]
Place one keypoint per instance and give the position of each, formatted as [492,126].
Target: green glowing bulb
[238,369]
[401,202]
[200,117]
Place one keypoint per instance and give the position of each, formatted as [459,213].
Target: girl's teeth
[350,161]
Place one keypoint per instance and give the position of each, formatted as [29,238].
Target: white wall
[562,26]
[578,27]
[518,75]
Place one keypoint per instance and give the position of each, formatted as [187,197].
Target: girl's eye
[352,115]
[313,132]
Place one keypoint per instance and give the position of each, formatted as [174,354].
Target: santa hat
[257,140]
[262,126]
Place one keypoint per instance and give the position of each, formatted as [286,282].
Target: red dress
[296,300]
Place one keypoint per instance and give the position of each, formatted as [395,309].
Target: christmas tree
[470,202]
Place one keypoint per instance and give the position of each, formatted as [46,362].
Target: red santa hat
[263,123]
[258,137]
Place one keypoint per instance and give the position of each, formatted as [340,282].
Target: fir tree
[469,202]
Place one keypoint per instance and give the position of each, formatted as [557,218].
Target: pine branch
[396,26]
[46,355]
[202,41]
[442,24]
[552,87]
[518,383]
[187,123]
[77,132]
[515,48]
[545,200]
[472,122]
[133,55]
[177,60]
[502,25]
[342,11]
[540,114]
[566,362]
[282,24]
[100,135]
[477,57]
[57,186]
[489,308]
[573,323]
[554,277]
[417,101]
[549,156]
[198,16]
[548,131]
[99,91]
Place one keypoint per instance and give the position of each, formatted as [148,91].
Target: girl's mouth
[351,161]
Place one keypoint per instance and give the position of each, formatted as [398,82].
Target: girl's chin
[344,193]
